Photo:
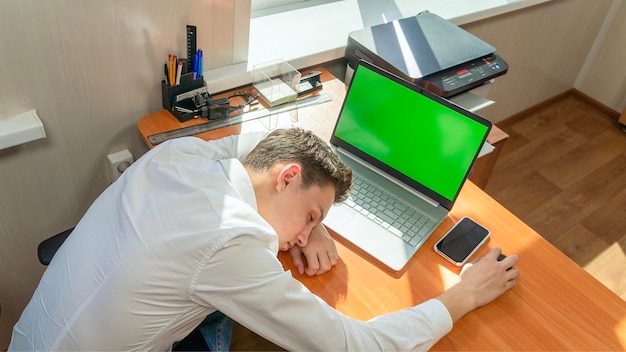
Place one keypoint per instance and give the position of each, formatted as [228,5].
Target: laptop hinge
[388,177]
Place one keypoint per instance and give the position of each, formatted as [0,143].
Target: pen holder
[170,94]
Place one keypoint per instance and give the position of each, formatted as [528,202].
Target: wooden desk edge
[164,121]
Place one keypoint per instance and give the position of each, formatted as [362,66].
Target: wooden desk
[555,306]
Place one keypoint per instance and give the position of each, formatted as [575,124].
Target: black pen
[167,81]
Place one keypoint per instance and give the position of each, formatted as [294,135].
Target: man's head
[297,177]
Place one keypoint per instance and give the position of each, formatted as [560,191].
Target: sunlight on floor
[607,268]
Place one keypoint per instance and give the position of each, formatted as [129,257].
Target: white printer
[428,51]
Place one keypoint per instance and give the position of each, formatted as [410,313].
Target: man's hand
[480,282]
[318,256]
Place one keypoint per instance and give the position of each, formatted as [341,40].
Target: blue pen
[200,59]
[195,65]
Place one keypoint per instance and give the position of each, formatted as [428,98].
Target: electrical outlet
[118,162]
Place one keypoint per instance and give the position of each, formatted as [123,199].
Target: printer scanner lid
[421,45]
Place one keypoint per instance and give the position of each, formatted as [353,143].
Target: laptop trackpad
[378,242]
[338,216]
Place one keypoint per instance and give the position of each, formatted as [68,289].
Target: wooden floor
[563,172]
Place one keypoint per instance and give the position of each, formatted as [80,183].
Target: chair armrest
[47,248]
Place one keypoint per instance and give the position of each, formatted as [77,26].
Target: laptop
[409,150]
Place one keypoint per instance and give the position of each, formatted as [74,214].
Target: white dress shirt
[177,237]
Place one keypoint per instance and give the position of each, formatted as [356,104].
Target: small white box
[276,82]
[20,129]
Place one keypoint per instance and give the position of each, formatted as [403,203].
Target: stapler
[310,82]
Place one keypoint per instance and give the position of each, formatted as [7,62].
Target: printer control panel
[463,77]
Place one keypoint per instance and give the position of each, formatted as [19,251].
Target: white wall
[545,46]
[604,76]
[91,69]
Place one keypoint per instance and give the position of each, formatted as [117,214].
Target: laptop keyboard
[389,212]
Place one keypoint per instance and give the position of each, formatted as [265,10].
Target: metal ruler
[233,120]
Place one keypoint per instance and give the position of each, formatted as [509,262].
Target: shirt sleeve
[236,146]
[246,281]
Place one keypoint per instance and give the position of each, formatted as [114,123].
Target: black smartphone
[462,241]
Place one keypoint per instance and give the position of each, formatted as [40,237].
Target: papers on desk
[471,101]
[486,149]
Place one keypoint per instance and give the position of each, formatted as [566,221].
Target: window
[309,32]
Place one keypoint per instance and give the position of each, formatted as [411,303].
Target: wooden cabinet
[484,164]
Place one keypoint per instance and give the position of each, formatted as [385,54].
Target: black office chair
[47,248]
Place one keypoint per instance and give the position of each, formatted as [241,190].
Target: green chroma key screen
[417,136]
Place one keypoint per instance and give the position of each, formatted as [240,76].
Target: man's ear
[287,175]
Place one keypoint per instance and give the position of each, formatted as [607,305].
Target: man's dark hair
[320,164]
